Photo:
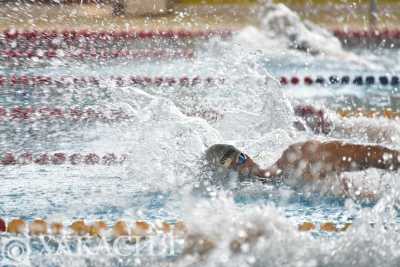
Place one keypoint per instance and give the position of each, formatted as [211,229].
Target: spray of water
[165,137]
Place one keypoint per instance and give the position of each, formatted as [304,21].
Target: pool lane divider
[26,81]
[385,113]
[83,54]
[53,36]
[307,111]
[30,114]
[37,114]
[359,80]
[48,113]
[81,228]
[98,228]
[332,80]
[383,34]
[382,38]
[60,158]
[111,36]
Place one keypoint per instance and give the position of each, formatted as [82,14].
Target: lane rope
[121,228]
[113,36]
[368,80]
[311,114]
[25,80]
[388,34]
[94,54]
[385,113]
[72,114]
[82,228]
[318,116]
[60,158]
[11,81]
[110,36]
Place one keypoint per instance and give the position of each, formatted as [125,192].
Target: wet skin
[312,160]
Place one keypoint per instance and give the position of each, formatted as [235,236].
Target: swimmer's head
[229,157]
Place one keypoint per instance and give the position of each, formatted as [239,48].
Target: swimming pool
[165,130]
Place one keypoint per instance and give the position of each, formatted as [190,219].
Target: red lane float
[46,113]
[72,35]
[368,34]
[60,158]
[315,118]
[376,38]
[17,81]
[3,226]
[95,54]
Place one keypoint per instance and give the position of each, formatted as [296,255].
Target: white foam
[283,32]
[367,130]
[279,243]
[167,134]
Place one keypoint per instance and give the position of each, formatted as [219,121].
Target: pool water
[166,134]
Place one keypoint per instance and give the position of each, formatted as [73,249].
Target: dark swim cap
[222,155]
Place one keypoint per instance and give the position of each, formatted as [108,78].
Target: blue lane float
[369,80]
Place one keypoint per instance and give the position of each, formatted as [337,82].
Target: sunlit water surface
[164,142]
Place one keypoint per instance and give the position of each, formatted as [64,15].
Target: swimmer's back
[314,159]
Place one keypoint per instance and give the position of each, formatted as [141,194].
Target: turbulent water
[170,128]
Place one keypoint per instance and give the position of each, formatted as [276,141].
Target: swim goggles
[241,159]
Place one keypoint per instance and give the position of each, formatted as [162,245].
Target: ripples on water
[164,142]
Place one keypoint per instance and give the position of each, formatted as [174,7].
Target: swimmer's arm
[354,157]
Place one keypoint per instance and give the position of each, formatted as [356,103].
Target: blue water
[29,137]
[110,193]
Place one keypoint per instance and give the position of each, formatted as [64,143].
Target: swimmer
[307,162]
